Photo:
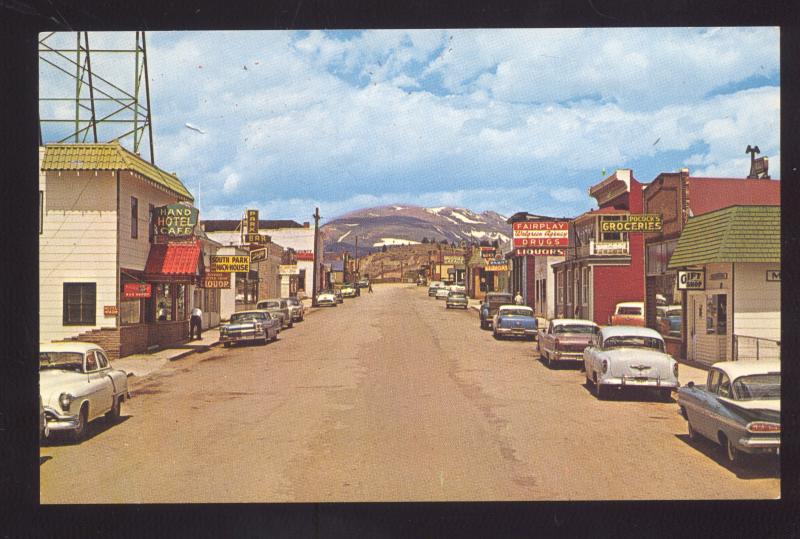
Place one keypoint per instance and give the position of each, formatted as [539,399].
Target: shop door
[695,319]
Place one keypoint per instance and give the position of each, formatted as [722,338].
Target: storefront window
[163,293]
[717,314]
[130,311]
[180,289]
[246,288]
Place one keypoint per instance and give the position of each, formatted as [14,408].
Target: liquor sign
[648,222]
[216,280]
[258,255]
[110,310]
[229,263]
[540,251]
[498,264]
[288,269]
[692,280]
[174,220]
[448,259]
[137,290]
[774,275]
[305,255]
[541,234]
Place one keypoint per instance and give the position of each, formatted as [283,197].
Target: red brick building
[602,269]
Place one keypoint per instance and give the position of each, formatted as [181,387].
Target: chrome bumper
[769,444]
[511,331]
[242,337]
[568,356]
[56,421]
[626,381]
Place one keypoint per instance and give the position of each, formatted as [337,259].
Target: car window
[515,312]
[724,389]
[101,358]
[633,341]
[758,386]
[575,328]
[66,361]
[713,380]
[91,361]
[629,310]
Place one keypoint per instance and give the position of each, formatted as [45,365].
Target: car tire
[226,344]
[483,324]
[665,395]
[113,415]
[549,362]
[734,455]
[693,434]
[79,433]
[600,391]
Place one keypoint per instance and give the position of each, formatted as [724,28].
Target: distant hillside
[400,224]
[408,258]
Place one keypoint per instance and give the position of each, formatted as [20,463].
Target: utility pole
[358,274]
[316,239]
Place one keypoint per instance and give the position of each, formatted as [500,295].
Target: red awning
[171,261]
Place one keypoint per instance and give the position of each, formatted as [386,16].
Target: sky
[486,119]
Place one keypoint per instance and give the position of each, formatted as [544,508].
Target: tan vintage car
[565,339]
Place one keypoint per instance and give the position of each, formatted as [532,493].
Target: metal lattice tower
[97,109]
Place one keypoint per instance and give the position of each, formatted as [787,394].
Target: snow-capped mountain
[398,224]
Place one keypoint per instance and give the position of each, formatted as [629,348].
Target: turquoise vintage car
[739,407]
[515,321]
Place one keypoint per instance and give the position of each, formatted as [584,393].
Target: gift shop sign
[174,220]
[541,234]
[692,280]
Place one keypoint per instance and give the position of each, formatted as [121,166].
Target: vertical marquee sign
[251,234]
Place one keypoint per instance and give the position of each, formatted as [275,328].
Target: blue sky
[505,120]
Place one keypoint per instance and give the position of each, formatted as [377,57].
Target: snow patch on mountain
[465,219]
[343,236]
[394,241]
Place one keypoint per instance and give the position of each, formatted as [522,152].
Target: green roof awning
[108,156]
[734,234]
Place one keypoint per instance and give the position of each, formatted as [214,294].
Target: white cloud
[231,182]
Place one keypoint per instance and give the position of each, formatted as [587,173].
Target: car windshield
[758,387]
[575,328]
[515,312]
[241,317]
[63,361]
[269,305]
[633,341]
[293,301]
[499,299]
[459,295]
[629,310]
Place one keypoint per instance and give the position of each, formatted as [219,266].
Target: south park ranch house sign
[174,220]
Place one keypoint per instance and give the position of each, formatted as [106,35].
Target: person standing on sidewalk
[196,322]
[518,299]
[369,289]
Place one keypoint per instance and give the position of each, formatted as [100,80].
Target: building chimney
[306,224]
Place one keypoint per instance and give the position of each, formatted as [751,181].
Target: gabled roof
[108,156]
[734,234]
[230,225]
[708,194]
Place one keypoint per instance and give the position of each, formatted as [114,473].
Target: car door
[105,367]
[706,414]
[547,337]
[99,393]
[590,352]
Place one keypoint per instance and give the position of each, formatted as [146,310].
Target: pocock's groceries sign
[648,222]
[540,237]
[174,220]
[229,263]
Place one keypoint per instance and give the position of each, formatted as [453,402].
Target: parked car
[457,299]
[514,321]
[363,283]
[338,295]
[565,339]
[44,432]
[420,281]
[491,302]
[348,290]
[629,356]
[433,287]
[296,309]
[250,326]
[739,407]
[628,313]
[77,384]
[327,297]
[277,306]
[457,288]
[442,293]
[668,319]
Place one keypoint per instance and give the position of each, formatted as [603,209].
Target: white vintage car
[629,356]
[77,385]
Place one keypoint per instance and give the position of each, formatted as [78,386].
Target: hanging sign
[305,255]
[229,263]
[488,252]
[648,222]
[448,259]
[692,280]
[774,275]
[498,264]
[251,222]
[137,290]
[288,269]
[258,255]
[110,310]
[174,220]
[216,280]
[541,233]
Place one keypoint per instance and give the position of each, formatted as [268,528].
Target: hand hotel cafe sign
[173,221]
[542,238]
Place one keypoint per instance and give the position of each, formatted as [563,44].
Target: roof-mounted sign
[649,222]
[541,234]
[174,220]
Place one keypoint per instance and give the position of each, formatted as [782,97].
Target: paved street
[388,397]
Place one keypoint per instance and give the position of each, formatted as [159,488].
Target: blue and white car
[739,407]
[629,356]
[515,321]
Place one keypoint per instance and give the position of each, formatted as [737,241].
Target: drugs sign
[692,280]
[229,263]
[648,222]
[541,234]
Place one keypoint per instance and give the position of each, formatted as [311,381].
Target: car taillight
[763,426]
[555,345]
[605,366]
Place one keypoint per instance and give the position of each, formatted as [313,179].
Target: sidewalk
[141,365]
